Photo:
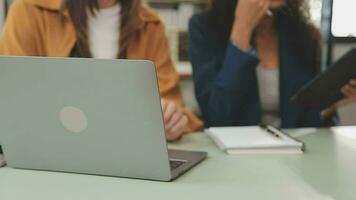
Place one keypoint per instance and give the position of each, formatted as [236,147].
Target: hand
[248,14]
[349,91]
[174,120]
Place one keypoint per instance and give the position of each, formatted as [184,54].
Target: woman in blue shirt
[249,57]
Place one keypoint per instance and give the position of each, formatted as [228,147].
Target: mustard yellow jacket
[36,28]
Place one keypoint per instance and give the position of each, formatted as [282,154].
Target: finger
[171,136]
[177,130]
[352,87]
[352,91]
[262,5]
[164,105]
[174,120]
[171,109]
[265,4]
[344,91]
[347,91]
[353,82]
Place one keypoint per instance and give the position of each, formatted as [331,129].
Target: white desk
[326,171]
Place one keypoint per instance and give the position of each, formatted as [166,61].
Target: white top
[104,33]
[268,84]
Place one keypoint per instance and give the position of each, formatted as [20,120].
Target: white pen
[269,13]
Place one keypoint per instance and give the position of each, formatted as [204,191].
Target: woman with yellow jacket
[99,29]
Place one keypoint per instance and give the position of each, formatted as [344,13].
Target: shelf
[184,70]
[178,1]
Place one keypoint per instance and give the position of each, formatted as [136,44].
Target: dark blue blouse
[226,84]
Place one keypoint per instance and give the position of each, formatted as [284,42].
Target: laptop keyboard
[175,164]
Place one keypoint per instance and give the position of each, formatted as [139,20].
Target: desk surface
[326,171]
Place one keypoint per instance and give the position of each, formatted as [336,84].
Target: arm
[20,34]
[168,77]
[221,93]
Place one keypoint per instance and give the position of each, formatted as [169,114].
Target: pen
[270,130]
[275,132]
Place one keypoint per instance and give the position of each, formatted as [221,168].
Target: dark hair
[129,23]
[304,36]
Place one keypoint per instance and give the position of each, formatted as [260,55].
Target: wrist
[327,112]
[241,37]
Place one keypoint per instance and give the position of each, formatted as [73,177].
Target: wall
[2,13]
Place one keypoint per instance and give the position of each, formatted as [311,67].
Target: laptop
[87,116]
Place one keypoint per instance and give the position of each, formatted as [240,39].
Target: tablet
[325,89]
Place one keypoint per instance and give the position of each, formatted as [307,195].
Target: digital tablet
[325,89]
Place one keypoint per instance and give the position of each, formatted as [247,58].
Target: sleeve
[168,77]
[20,33]
[221,86]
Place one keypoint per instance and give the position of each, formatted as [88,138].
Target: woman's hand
[349,91]
[248,14]
[174,120]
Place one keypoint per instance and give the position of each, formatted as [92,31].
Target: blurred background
[334,18]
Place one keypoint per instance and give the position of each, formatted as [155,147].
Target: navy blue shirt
[226,84]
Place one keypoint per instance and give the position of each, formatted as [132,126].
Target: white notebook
[254,139]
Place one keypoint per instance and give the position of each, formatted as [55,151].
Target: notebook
[254,140]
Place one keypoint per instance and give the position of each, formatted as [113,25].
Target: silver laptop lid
[83,115]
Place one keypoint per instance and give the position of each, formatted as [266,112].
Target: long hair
[78,13]
[304,38]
